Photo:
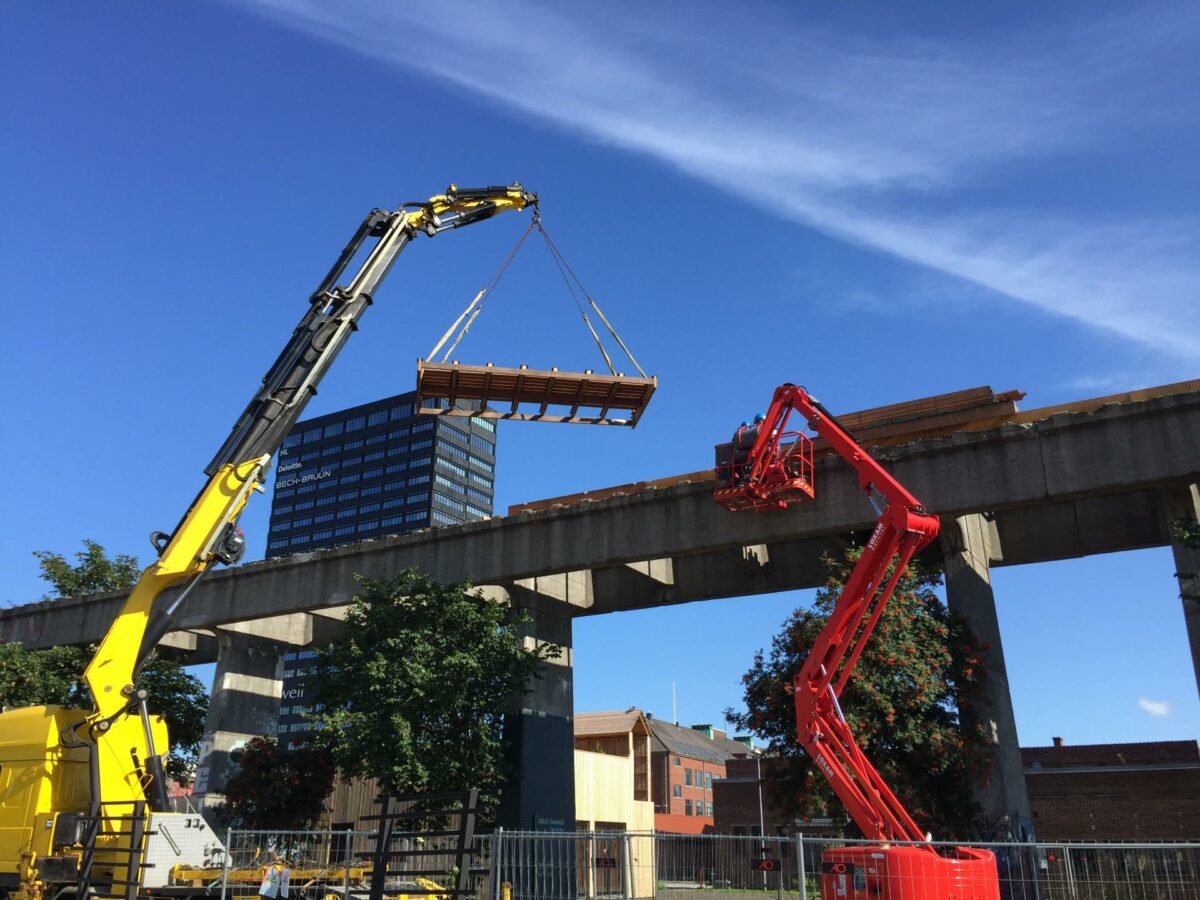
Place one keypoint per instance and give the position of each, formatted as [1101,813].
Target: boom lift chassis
[758,471]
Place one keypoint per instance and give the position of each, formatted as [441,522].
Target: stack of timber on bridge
[974,409]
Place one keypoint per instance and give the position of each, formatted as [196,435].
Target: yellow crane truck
[83,797]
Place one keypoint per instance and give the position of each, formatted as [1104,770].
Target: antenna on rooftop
[674,712]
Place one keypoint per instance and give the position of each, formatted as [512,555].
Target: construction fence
[511,865]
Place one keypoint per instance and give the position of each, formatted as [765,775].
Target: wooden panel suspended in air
[531,395]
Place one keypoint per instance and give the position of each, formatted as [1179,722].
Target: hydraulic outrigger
[768,467]
[76,785]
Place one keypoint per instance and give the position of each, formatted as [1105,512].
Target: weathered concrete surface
[1182,505]
[969,544]
[244,705]
[1064,486]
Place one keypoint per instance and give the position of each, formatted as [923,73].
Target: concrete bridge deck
[1067,485]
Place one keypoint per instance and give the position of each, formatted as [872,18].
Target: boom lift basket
[452,389]
[782,477]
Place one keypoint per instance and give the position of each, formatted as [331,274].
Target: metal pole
[762,830]
[347,855]
[800,865]
[497,848]
[626,868]
[225,862]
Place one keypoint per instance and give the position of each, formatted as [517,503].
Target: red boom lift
[768,467]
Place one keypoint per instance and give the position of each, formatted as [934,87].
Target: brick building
[687,763]
[1114,792]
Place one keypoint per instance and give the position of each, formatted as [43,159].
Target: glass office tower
[367,472]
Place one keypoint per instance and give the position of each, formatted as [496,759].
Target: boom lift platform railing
[756,471]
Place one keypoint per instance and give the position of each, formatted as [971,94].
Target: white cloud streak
[1157,708]
[900,147]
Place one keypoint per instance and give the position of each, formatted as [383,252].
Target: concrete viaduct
[1054,486]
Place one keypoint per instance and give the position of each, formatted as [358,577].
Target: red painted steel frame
[903,528]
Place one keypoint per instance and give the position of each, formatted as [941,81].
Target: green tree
[919,673]
[93,572]
[415,692]
[53,676]
[276,787]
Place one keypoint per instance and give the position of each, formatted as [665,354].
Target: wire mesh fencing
[616,865]
[303,865]
[633,866]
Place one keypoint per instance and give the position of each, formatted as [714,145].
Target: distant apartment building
[368,472]
[1114,792]
[686,763]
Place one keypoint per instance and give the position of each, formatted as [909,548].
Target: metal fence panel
[514,865]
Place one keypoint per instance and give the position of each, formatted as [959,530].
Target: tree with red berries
[907,702]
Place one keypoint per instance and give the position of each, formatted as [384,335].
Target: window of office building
[343,530]
[374,455]
[377,439]
[333,429]
[441,518]
[708,808]
[687,777]
[675,760]
[415,517]
[420,462]
[403,411]
[377,418]
[676,790]
[313,434]
[477,512]
[422,427]
[687,807]
[708,780]
[356,424]
[485,424]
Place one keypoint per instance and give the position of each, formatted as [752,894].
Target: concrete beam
[1073,528]
[1122,449]
[244,705]
[1004,801]
[1182,505]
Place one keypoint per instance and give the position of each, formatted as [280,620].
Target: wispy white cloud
[896,146]
[1155,707]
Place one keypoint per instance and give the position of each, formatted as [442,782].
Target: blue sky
[882,203]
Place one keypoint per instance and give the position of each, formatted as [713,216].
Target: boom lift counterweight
[757,471]
[76,784]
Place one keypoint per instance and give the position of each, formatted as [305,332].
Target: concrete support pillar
[244,705]
[970,545]
[539,728]
[1181,506]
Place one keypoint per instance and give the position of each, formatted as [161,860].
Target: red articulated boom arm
[768,475]
[759,471]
